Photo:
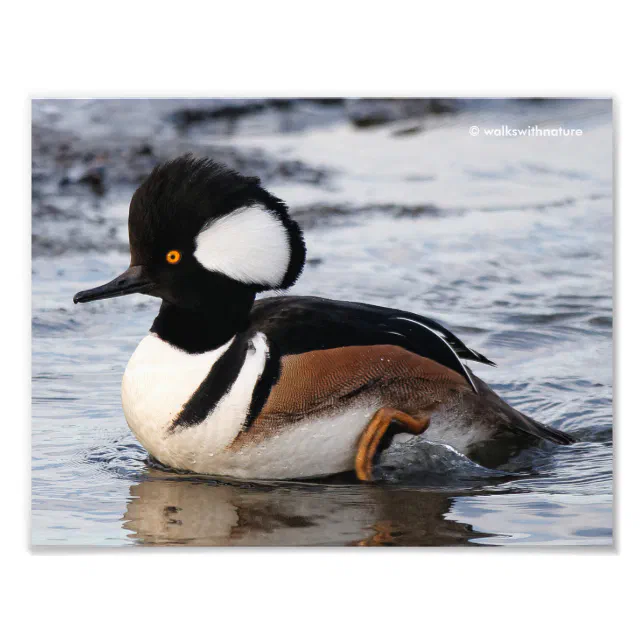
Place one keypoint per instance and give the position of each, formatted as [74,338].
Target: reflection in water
[204,512]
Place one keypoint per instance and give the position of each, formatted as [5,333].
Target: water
[507,241]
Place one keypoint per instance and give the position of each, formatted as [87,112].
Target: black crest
[180,197]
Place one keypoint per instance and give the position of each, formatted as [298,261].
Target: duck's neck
[201,330]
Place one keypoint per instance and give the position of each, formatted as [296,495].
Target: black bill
[134,280]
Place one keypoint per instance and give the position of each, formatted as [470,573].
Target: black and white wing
[300,324]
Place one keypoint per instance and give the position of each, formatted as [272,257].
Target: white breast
[160,379]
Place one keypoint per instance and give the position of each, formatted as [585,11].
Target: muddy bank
[88,157]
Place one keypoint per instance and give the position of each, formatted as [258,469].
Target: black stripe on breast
[214,387]
[265,383]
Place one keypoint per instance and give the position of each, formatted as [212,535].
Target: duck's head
[201,232]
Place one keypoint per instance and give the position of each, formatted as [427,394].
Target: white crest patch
[250,245]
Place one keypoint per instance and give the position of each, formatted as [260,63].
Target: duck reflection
[188,511]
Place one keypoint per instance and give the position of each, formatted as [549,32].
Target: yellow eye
[173,257]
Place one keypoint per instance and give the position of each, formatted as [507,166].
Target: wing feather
[300,324]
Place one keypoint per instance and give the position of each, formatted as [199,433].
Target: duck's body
[301,383]
[285,387]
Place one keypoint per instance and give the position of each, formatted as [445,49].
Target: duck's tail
[535,428]
[513,420]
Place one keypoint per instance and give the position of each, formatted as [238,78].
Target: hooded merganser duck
[283,387]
